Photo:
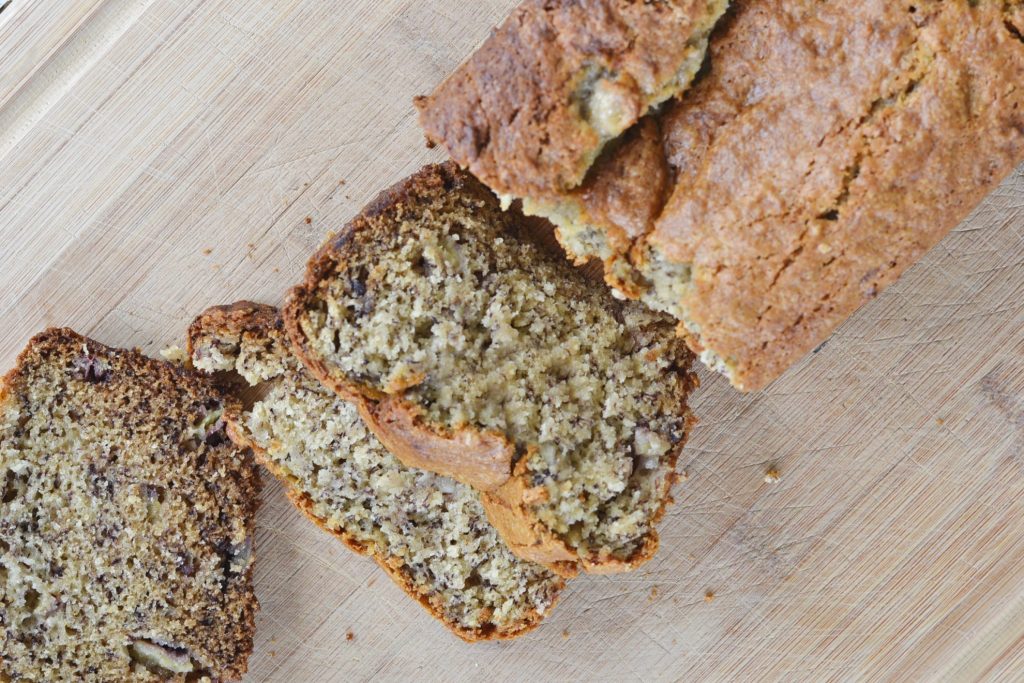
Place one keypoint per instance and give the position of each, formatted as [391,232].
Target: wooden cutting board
[160,156]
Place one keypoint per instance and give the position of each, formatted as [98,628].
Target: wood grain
[160,156]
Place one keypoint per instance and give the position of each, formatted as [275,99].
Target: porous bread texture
[818,158]
[126,520]
[428,532]
[531,109]
[430,305]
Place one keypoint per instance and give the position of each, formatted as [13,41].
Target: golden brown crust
[263,320]
[484,459]
[241,316]
[819,158]
[519,112]
[628,185]
[861,199]
[217,474]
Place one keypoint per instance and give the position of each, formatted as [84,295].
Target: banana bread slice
[428,532]
[126,520]
[530,110]
[828,147]
[480,356]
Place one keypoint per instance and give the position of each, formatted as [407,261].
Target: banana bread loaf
[428,532]
[829,146]
[480,356]
[127,520]
[531,109]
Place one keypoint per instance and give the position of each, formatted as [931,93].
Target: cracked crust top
[827,148]
[531,109]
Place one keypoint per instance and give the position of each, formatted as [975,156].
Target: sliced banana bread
[480,356]
[126,520]
[428,532]
[531,109]
[828,147]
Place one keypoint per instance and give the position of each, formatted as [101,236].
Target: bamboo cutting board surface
[160,156]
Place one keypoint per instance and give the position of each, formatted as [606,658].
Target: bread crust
[416,442]
[818,158]
[520,112]
[263,320]
[628,187]
[821,155]
[163,378]
[485,458]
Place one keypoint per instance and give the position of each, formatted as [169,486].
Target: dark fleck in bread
[126,520]
[482,357]
[829,146]
[529,111]
[428,532]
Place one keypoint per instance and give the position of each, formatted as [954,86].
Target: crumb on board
[341,182]
[207,251]
[350,636]
[565,634]
[771,475]
[685,475]
[709,596]
[939,421]
[653,595]
[309,220]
